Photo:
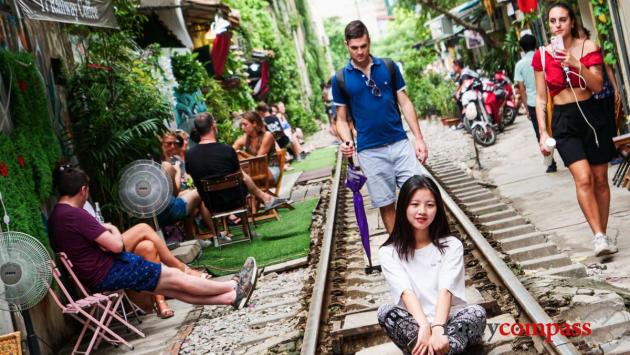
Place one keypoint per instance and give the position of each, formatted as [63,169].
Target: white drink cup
[550,143]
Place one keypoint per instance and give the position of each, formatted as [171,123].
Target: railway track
[342,310]
[329,305]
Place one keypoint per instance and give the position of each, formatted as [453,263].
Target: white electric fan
[145,190]
[25,275]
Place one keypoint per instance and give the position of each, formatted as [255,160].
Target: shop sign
[473,39]
[97,13]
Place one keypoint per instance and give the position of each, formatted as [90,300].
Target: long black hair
[402,237]
[564,5]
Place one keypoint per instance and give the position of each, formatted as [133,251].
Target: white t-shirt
[426,273]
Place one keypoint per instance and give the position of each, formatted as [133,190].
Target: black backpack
[341,81]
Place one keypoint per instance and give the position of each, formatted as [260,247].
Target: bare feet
[162,309]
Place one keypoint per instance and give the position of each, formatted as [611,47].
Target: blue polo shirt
[376,119]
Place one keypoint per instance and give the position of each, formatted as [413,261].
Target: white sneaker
[602,246]
[224,238]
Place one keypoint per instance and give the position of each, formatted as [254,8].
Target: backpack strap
[341,81]
[393,79]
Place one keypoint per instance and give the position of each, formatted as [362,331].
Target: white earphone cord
[581,79]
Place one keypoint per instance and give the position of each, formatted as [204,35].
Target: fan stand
[31,337]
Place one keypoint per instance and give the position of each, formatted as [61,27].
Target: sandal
[165,312]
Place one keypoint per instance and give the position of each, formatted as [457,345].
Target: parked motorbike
[475,116]
[508,108]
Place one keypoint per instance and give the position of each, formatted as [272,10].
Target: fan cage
[149,174]
[33,260]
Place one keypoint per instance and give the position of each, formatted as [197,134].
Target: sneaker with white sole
[602,245]
[247,278]
[275,203]
[224,238]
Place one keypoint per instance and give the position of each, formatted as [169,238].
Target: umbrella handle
[350,159]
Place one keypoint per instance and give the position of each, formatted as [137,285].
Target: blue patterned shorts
[130,271]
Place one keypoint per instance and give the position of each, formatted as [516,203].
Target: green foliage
[189,72]
[430,93]
[259,31]
[604,29]
[504,57]
[433,96]
[336,41]
[33,139]
[221,110]
[314,59]
[116,107]
[240,97]
[191,76]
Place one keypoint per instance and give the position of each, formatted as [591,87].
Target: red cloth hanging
[220,49]
[527,6]
[262,86]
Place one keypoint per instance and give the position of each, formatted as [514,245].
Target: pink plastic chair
[83,311]
[117,299]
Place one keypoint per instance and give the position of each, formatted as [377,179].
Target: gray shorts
[386,168]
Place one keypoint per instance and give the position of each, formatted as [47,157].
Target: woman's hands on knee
[439,341]
[423,345]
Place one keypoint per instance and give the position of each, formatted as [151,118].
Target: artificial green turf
[277,241]
[317,159]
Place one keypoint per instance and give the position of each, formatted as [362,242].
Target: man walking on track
[368,91]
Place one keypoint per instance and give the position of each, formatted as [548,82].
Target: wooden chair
[258,169]
[210,186]
[276,190]
[621,178]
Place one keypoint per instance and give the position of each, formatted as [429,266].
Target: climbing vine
[29,152]
[260,30]
[604,29]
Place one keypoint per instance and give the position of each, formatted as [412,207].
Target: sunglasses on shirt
[372,85]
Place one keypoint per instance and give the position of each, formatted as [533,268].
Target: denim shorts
[130,271]
[176,211]
[387,167]
[275,172]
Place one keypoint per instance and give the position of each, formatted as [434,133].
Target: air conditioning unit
[440,27]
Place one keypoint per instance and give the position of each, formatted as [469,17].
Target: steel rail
[311,332]
[536,313]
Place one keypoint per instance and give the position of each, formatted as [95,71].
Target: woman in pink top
[582,133]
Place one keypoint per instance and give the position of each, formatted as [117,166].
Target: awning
[202,12]
[181,15]
[169,13]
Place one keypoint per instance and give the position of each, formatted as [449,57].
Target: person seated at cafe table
[257,142]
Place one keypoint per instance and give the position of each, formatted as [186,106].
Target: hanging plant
[604,29]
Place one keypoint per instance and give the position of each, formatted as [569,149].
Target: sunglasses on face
[372,85]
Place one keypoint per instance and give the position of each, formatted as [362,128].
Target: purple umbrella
[355,181]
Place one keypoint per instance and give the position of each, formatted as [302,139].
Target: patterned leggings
[465,328]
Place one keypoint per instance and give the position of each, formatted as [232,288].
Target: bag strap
[341,81]
[389,63]
[543,54]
